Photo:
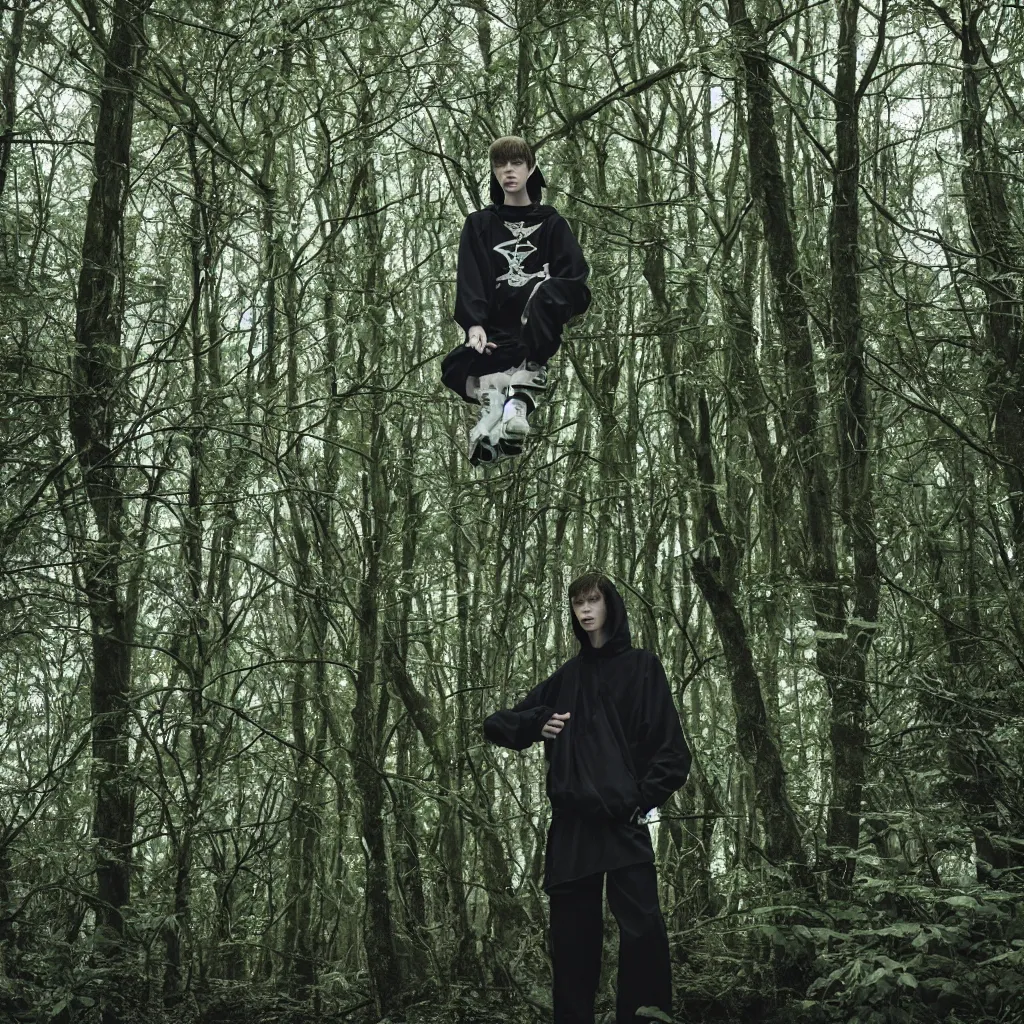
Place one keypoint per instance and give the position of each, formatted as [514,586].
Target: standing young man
[615,749]
[521,278]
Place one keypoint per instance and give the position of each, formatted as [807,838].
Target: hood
[532,214]
[534,184]
[616,627]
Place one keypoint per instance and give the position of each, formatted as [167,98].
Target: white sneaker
[527,385]
[514,423]
[485,435]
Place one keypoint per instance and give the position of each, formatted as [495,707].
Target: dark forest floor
[740,1006]
[899,954]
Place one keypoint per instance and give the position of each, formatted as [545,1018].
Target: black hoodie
[621,751]
[505,252]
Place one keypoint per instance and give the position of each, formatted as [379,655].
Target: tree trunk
[972,715]
[768,186]
[196,624]
[1000,265]
[715,573]
[847,727]
[378,927]
[753,735]
[97,375]
[453,883]
[309,618]
[8,87]
[394,659]
[370,710]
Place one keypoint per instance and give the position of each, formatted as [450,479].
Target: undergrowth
[892,953]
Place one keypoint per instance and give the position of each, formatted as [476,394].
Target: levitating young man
[615,749]
[521,278]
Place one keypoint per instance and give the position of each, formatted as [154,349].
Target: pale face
[591,611]
[512,175]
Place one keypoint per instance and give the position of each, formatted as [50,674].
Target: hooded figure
[521,276]
[621,753]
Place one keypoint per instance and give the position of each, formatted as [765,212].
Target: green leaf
[900,929]
[819,985]
[907,980]
[654,1013]
[889,963]
[962,901]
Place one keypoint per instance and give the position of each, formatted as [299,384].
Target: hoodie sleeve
[569,266]
[472,287]
[662,747]
[520,726]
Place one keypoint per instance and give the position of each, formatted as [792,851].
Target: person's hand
[476,337]
[554,725]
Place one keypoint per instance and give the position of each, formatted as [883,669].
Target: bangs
[510,147]
[589,583]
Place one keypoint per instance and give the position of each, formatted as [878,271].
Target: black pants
[644,976]
[553,305]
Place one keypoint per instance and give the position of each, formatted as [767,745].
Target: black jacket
[505,252]
[621,751]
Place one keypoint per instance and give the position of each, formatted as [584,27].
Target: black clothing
[521,276]
[551,307]
[644,975]
[621,751]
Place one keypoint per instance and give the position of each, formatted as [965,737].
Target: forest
[255,603]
